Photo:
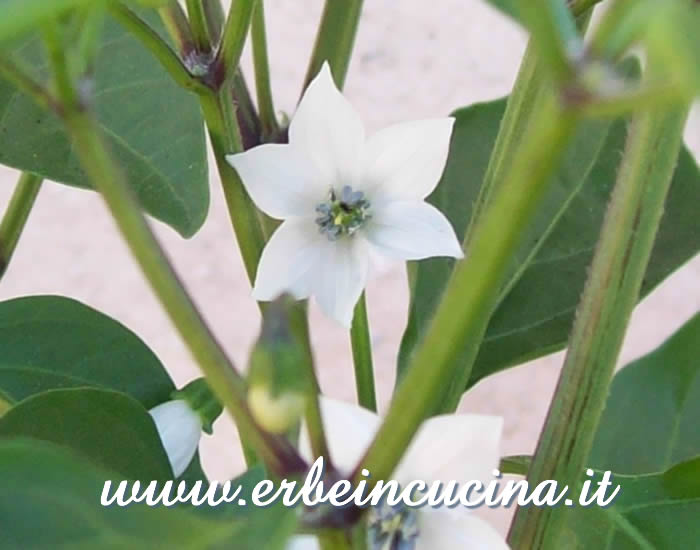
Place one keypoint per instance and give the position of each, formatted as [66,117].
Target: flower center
[392,528]
[343,213]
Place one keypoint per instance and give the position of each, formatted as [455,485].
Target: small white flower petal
[340,277]
[179,428]
[406,160]
[281,182]
[412,230]
[289,260]
[460,447]
[445,529]
[349,430]
[302,542]
[328,130]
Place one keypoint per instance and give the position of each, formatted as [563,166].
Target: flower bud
[278,379]
[180,422]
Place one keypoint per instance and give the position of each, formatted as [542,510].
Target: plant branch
[16,216]
[335,39]
[199,26]
[233,39]
[262,72]
[168,58]
[611,292]
[362,356]
[178,27]
[473,289]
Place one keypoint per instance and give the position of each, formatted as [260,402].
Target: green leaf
[20,16]
[110,429]
[50,499]
[651,512]
[153,127]
[651,420]
[546,280]
[51,342]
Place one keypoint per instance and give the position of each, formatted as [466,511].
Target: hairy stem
[16,216]
[611,293]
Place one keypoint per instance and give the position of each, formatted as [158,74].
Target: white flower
[341,195]
[180,429]
[461,447]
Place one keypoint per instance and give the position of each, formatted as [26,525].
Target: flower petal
[289,260]
[406,160]
[340,277]
[349,431]
[460,447]
[412,230]
[444,529]
[281,182]
[179,428]
[328,130]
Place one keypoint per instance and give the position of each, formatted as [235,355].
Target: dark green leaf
[51,499]
[652,418]
[651,512]
[537,309]
[111,429]
[51,342]
[154,128]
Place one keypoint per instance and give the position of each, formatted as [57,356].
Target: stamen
[343,213]
[392,528]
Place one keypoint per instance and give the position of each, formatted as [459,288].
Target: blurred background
[409,63]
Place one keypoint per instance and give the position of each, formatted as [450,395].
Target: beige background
[410,62]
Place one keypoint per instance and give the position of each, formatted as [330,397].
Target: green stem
[225,139]
[62,77]
[220,372]
[233,39]
[215,16]
[248,120]
[611,292]
[16,216]
[262,72]
[362,356]
[168,58]
[335,39]
[516,118]
[473,290]
[198,23]
[175,21]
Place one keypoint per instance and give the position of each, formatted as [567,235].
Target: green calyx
[202,401]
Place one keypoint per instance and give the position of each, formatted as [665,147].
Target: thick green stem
[611,293]
[16,216]
[262,72]
[335,39]
[157,46]
[362,356]
[473,290]
[215,16]
[516,118]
